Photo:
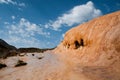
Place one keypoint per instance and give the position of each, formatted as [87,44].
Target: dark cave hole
[81,42]
[77,44]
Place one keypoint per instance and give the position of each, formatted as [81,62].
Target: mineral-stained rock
[95,43]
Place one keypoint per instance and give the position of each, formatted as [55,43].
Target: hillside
[32,50]
[6,49]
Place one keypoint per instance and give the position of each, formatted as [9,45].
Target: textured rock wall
[96,42]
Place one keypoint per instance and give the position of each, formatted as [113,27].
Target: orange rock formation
[95,45]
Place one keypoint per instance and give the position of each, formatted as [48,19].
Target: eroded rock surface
[95,46]
[97,41]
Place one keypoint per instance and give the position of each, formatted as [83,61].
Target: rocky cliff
[6,49]
[95,44]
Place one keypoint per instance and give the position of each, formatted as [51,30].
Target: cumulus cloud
[13,17]
[8,2]
[23,34]
[24,42]
[22,4]
[26,28]
[76,15]
[6,23]
[12,2]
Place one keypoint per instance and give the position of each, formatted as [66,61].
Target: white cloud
[13,17]
[12,2]
[26,29]
[24,34]
[6,23]
[22,4]
[76,15]
[8,2]
[63,35]
[24,42]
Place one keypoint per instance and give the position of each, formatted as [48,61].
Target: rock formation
[95,45]
[6,49]
[32,50]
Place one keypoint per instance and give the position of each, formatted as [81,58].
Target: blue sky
[42,23]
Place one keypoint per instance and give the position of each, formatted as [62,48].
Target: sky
[43,23]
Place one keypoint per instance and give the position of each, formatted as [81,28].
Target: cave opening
[81,42]
[78,44]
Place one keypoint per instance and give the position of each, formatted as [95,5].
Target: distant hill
[31,50]
[4,44]
[6,49]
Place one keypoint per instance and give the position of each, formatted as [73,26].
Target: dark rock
[5,45]
[33,54]
[6,49]
[20,63]
[32,50]
[40,57]
[2,65]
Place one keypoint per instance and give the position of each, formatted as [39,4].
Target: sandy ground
[52,67]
